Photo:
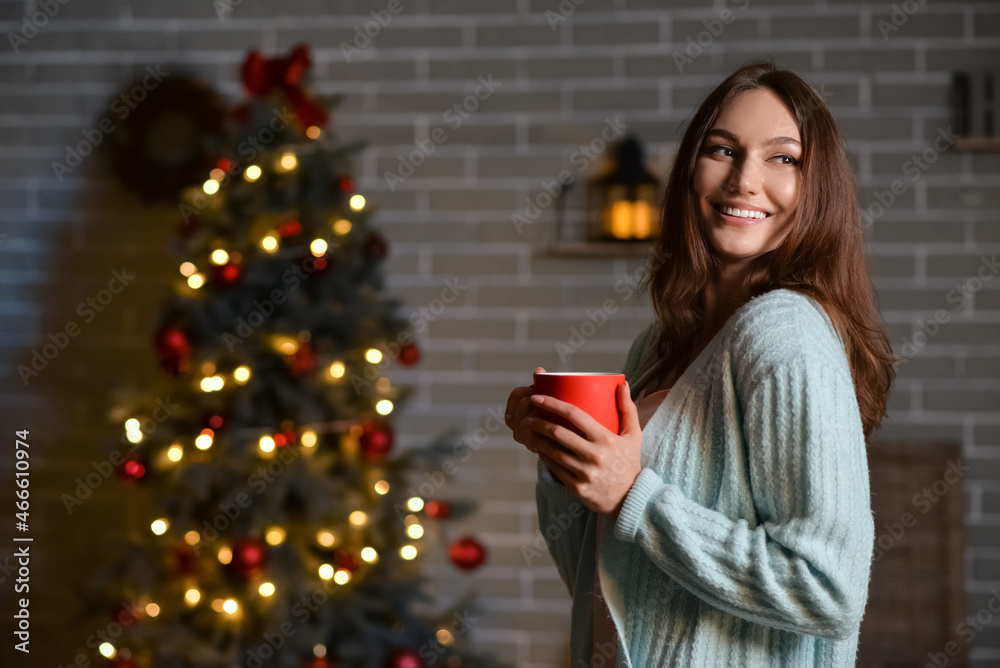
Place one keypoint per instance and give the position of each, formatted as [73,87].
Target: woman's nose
[745,177]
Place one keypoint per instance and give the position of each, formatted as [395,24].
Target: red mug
[595,393]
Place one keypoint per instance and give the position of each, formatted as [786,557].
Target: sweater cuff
[549,483]
[635,504]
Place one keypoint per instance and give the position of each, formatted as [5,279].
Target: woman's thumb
[630,415]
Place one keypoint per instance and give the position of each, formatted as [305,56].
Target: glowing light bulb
[217,174]
[337,369]
[210,187]
[342,226]
[325,538]
[318,247]
[266,444]
[159,527]
[175,453]
[342,576]
[326,571]
[369,554]
[373,355]
[357,202]
[308,439]
[252,173]
[203,442]
[107,650]
[289,161]
[230,606]
[383,407]
[275,536]
[220,256]
[192,596]
[134,436]
[152,609]
[445,637]
[206,384]
[195,281]
[225,555]
[382,487]
[269,243]
[188,268]
[192,537]
[131,424]
[266,589]
[313,132]
[358,518]
[414,531]
[408,552]
[217,604]
[416,504]
[241,374]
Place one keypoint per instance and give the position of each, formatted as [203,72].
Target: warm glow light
[383,407]
[373,355]
[217,174]
[188,268]
[288,161]
[131,424]
[325,538]
[382,384]
[357,202]
[358,518]
[175,453]
[414,531]
[195,281]
[252,173]
[107,650]
[308,439]
[275,536]
[220,256]
[206,384]
[269,243]
[218,382]
[203,442]
[134,436]
[241,374]
[225,555]
[337,369]
[627,219]
[266,589]
[342,226]
[159,526]
[210,187]
[411,519]
[192,537]
[230,606]
[342,576]
[369,554]
[318,247]
[382,487]
[192,596]
[326,571]
[416,504]
[408,552]
[152,609]
[266,444]
[313,132]
[445,637]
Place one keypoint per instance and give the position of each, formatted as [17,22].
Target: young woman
[729,523]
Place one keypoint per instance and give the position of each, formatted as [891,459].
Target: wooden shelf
[600,249]
[978,143]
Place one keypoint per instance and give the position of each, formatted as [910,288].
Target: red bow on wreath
[262,75]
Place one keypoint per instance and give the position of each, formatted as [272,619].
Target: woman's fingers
[590,427]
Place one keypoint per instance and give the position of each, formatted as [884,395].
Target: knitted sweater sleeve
[803,565]
[562,517]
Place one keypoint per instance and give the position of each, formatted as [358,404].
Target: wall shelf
[981,144]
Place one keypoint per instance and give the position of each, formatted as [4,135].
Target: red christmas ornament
[345,560]
[402,658]
[227,274]
[376,439]
[262,75]
[185,559]
[409,354]
[303,361]
[133,469]
[467,553]
[438,509]
[290,229]
[249,556]
[174,347]
[346,184]
[376,246]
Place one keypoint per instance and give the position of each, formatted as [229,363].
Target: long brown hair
[823,254]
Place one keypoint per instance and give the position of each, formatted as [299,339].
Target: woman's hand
[519,407]
[600,466]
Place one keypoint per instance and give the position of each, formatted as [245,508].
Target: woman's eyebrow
[773,140]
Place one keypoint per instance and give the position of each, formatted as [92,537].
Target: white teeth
[742,213]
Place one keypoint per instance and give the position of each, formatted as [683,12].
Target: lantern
[622,202]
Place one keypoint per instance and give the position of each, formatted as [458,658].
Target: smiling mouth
[748,214]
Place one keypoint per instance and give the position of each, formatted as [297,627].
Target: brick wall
[558,72]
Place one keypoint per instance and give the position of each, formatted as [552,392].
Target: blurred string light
[318,247]
[252,173]
[220,256]
[188,268]
[210,187]
[192,596]
[357,202]
[269,243]
[383,407]
[408,552]
[195,281]
[373,355]
[241,374]
[159,527]
[308,439]
[342,226]
[266,589]
[175,453]
[416,504]
[204,440]
[289,161]
[313,132]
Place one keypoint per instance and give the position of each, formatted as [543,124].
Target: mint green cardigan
[747,538]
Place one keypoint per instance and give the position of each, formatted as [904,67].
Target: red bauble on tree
[303,361]
[467,553]
[345,560]
[249,556]
[376,439]
[174,346]
[402,658]
[133,469]
[438,509]
[376,246]
[346,184]
[409,354]
[227,274]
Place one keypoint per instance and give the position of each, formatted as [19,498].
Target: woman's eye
[715,149]
[787,160]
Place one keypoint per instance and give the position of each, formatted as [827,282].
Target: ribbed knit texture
[747,538]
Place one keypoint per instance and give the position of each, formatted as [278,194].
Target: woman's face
[749,160]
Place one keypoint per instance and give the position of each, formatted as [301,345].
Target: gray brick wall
[561,75]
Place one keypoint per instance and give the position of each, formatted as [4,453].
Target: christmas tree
[285,531]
